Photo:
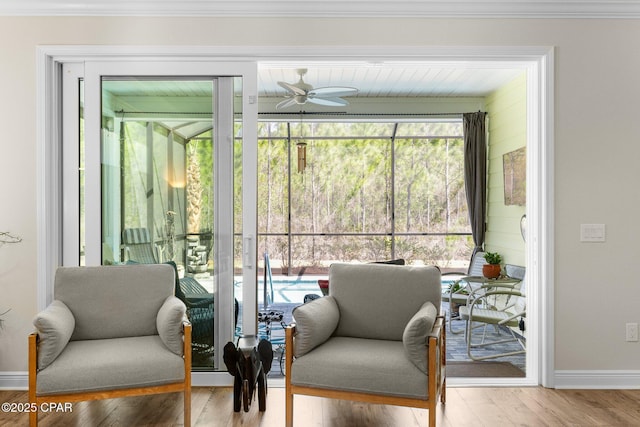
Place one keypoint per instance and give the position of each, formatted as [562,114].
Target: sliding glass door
[162,157]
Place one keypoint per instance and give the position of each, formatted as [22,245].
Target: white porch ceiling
[382,87]
[371,80]
[392,81]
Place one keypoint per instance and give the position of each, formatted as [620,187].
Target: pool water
[293,290]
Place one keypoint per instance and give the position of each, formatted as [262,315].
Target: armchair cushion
[109,364]
[315,322]
[415,335]
[55,325]
[169,323]
[360,365]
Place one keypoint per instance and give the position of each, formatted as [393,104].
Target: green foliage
[457,287]
[493,258]
[347,188]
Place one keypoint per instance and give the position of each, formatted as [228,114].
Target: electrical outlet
[632,332]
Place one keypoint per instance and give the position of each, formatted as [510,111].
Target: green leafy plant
[457,287]
[493,258]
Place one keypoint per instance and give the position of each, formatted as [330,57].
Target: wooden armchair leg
[289,410]
[33,364]
[289,332]
[187,407]
[187,373]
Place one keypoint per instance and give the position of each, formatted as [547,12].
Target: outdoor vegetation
[369,191]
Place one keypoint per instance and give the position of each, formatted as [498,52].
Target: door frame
[538,61]
[57,210]
[223,116]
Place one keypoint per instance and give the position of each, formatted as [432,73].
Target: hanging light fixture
[302,149]
[302,155]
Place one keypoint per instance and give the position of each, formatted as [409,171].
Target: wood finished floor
[476,407]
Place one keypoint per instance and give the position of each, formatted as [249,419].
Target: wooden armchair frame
[436,383]
[183,386]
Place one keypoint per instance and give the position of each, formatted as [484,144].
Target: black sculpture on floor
[249,364]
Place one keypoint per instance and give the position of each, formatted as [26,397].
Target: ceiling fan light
[301,92]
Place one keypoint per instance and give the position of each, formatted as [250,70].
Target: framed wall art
[514,166]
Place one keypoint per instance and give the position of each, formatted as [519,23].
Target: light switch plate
[592,233]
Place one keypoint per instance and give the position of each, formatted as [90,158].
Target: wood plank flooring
[473,407]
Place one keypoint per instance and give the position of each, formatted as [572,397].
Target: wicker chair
[200,311]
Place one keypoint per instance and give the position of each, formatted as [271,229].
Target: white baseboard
[17,380]
[597,379]
[211,379]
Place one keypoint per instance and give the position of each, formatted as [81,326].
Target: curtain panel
[475,174]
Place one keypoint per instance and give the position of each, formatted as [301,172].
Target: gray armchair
[111,331]
[377,337]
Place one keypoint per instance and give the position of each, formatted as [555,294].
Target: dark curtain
[475,173]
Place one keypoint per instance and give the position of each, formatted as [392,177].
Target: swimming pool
[293,289]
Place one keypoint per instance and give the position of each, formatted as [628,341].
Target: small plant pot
[491,271]
[455,309]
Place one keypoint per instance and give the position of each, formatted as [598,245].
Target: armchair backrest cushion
[376,301]
[114,301]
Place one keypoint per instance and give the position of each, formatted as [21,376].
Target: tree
[194,189]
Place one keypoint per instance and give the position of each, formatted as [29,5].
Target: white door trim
[538,61]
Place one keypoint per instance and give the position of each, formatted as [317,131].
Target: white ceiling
[382,87]
[371,80]
[393,81]
[329,8]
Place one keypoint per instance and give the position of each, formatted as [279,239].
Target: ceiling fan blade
[286,103]
[292,88]
[333,91]
[329,102]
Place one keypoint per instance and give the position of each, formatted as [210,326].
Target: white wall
[507,126]
[596,149]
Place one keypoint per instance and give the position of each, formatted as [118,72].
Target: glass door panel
[158,190]
[167,147]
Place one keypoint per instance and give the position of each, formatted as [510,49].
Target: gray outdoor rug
[458,363]
[472,369]
[457,347]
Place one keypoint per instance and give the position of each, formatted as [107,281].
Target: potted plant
[455,287]
[491,269]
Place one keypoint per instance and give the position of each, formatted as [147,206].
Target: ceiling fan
[300,93]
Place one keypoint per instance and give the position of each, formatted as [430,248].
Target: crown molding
[618,9]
